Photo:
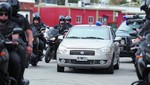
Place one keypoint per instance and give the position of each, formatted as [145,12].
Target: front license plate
[81,58]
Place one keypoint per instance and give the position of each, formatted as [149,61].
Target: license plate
[81,58]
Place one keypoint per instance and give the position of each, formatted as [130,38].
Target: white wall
[30,1]
[25,13]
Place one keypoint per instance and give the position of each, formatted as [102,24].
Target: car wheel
[116,66]
[60,69]
[110,69]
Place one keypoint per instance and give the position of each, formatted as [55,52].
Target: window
[91,19]
[100,19]
[79,19]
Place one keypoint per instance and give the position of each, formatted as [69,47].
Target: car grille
[82,52]
[81,62]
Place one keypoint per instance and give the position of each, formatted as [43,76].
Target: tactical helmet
[15,5]
[36,16]
[68,18]
[61,18]
[5,7]
[145,6]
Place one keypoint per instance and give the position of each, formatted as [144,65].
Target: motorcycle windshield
[52,33]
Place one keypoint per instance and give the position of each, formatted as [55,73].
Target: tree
[94,1]
[73,1]
[61,2]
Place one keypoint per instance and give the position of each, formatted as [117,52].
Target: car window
[88,32]
[127,28]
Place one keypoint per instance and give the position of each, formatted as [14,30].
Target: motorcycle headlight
[122,42]
[53,38]
[103,50]
[62,50]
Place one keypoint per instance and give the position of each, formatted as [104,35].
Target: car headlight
[62,49]
[122,42]
[104,50]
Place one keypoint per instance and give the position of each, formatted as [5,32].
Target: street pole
[39,6]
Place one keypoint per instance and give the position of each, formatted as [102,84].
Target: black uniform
[42,41]
[69,25]
[24,24]
[15,60]
[61,28]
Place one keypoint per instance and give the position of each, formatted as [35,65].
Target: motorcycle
[5,79]
[143,62]
[34,57]
[52,41]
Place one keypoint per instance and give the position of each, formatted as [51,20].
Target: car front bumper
[78,61]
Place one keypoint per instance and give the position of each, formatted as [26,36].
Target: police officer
[6,28]
[145,6]
[40,27]
[61,27]
[26,48]
[68,21]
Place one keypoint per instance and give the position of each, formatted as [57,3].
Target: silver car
[87,47]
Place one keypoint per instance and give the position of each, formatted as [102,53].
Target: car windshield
[127,28]
[87,32]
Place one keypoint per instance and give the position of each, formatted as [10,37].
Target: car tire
[116,66]
[60,69]
[110,69]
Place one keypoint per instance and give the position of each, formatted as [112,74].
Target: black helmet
[5,7]
[15,5]
[36,16]
[145,6]
[61,18]
[68,18]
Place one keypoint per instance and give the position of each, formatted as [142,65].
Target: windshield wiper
[93,38]
[74,37]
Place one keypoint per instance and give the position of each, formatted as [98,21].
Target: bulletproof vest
[69,25]
[19,19]
[39,26]
[6,29]
[61,28]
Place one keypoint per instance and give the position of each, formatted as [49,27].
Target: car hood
[82,43]
[122,33]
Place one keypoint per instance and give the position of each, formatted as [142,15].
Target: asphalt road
[46,74]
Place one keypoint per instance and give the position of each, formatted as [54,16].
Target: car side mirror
[17,30]
[117,39]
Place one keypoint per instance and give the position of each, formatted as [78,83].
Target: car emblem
[82,52]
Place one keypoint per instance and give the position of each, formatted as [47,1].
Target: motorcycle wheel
[34,60]
[48,55]
[148,78]
[27,62]
[34,64]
